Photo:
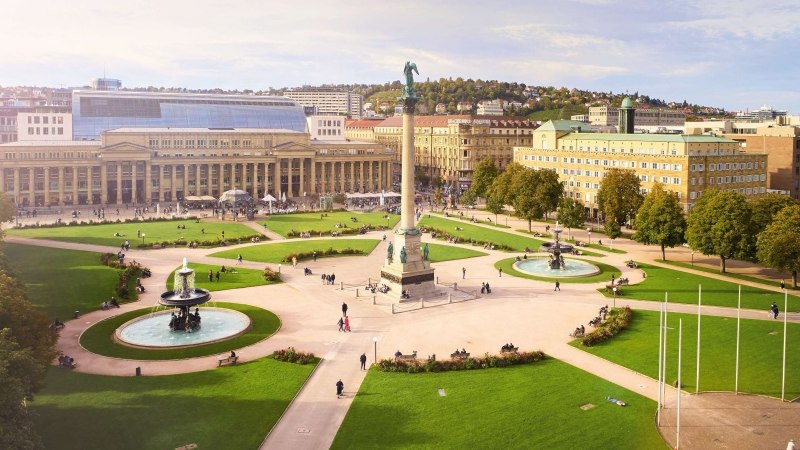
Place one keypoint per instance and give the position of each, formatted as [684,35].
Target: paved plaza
[526,312]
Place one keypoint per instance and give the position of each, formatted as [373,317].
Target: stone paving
[528,313]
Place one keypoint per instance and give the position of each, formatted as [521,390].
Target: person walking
[341,324]
[463,273]
[314,255]
[210,275]
[774,310]
[500,272]
[558,286]
[239,259]
[346,324]
[783,285]
[344,309]
[216,275]
[339,388]
[363,360]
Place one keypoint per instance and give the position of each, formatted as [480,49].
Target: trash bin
[138,371]
[76,315]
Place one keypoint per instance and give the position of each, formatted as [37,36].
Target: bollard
[341,285]
[449,298]
[392,308]
[437,279]
[422,303]
[455,286]
[373,300]
[138,371]
[356,292]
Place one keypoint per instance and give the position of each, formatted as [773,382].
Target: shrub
[271,275]
[293,356]
[330,251]
[618,320]
[445,236]
[484,362]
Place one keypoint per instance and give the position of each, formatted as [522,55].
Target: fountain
[183,329]
[556,266]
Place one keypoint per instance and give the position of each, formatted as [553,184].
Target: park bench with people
[459,354]
[410,357]
[228,360]
[509,348]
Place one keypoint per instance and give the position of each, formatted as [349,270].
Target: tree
[482,176]
[437,197]
[468,198]
[619,197]
[720,224]
[494,200]
[7,210]
[570,214]
[765,207]
[660,220]
[534,193]
[17,368]
[778,245]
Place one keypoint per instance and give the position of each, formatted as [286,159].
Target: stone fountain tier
[563,248]
[172,298]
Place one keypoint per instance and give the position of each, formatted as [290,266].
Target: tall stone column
[74,185]
[289,177]
[60,186]
[313,162]
[148,182]
[161,190]
[323,188]
[103,184]
[185,180]
[134,176]
[173,180]
[276,179]
[16,186]
[32,186]
[341,177]
[220,179]
[119,183]
[46,186]
[406,270]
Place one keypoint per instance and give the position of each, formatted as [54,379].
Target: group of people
[66,361]
[139,287]
[601,316]
[307,271]
[328,278]
[485,289]
[110,303]
[405,295]
[57,325]
[508,348]
[579,331]
[344,321]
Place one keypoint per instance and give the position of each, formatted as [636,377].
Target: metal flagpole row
[664,353]
[660,356]
[783,370]
[680,353]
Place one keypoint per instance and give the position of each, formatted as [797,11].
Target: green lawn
[759,362]
[473,232]
[467,217]
[241,279]
[61,281]
[440,252]
[605,272]
[275,252]
[154,232]
[729,274]
[682,288]
[283,224]
[227,408]
[527,407]
[98,338]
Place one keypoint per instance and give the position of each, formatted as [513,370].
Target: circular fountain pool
[572,268]
[152,330]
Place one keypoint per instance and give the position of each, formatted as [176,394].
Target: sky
[736,54]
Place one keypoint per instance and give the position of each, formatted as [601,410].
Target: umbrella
[284,197]
[269,198]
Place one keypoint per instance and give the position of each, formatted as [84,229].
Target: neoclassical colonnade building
[145,165]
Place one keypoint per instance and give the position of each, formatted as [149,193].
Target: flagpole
[783,374]
[680,353]
[664,353]
[738,333]
[699,302]
[660,348]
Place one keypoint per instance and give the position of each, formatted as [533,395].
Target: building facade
[330,128]
[328,101]
[685,164]
[132,165]
[45,124]
[606,116]
[451,146]
[94,112]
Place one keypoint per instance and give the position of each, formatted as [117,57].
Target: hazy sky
[738,54]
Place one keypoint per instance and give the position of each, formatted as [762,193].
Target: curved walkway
[525,312]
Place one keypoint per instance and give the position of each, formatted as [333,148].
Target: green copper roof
[627,103]
[682,138]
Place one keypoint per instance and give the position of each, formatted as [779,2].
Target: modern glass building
[96,111]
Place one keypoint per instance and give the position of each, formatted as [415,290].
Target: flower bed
[483,362]
[329,252]
[445,236]
[293,356]
[61,223]
[618,320]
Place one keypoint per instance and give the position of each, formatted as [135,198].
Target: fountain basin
[152,331]
[573,268]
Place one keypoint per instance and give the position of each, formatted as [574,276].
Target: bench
[509,350]
[228,360]
[459,355]
[411,357]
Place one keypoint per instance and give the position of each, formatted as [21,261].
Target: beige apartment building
[685,164]
[780,142]
[144,165]
[450,146]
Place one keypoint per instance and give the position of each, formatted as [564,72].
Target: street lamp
[692,257]
[375,355]
[142,238]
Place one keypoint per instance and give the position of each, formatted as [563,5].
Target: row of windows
[745,191]
[207,143]
[45,131]
[51,155]
[56,120]
[605,162]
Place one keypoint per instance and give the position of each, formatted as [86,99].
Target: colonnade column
[361,176]
[2,179]
[322,187]
[16,185]
[341,179]
[74,185]
[276,179]
[303,180]
[103,184]
[173,180]
[254,187]
[185,180]
[380,175]
[266,178]
[289,177]
[372,176]
[60,185]
[32,187]
[46,186]
[220,179]
[119,183]
[313,175]
[134,176]
[161,182]
[148,181]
